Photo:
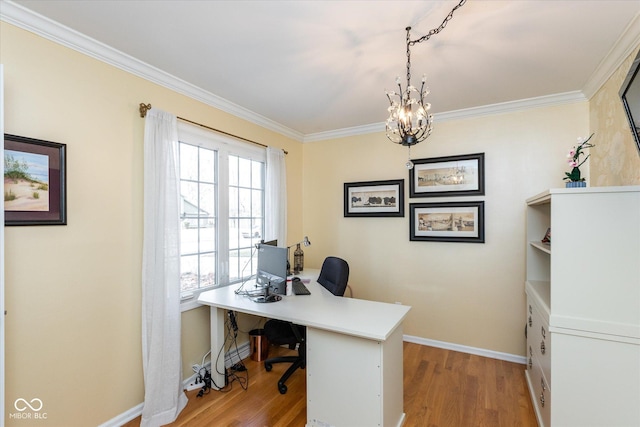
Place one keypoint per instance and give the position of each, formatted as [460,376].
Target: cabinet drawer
[538,339]
[543,397]
[539,390]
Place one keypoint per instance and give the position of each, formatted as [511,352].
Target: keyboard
[299,288]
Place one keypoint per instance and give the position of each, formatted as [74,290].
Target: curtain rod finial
[144,108]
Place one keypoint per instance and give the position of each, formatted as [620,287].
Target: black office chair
[333,276]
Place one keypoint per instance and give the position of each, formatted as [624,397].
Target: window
[246,218]
[222,210]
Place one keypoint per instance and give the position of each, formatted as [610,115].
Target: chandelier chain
[440,27]
[408,57]
[410,121]
[428,36]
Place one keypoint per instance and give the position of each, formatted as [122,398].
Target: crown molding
[26,19]
[345,132]
[467,113]
[511,106]
[626,44]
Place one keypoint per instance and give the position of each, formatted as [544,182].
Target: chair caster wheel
[268,367]
[282,388]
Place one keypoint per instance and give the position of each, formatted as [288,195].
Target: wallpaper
[615,160]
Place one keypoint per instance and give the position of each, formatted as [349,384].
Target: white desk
[354,352]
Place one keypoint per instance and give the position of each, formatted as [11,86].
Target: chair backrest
[334,275]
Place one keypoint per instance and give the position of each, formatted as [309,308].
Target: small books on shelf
[547,237]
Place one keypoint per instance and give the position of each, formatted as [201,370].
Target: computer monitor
[272,267]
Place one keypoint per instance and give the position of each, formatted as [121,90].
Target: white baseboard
[125,417]
[233,356]
[466,349]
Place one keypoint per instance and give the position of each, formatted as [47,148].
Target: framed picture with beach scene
[34,182]
[447,176]
[447,222]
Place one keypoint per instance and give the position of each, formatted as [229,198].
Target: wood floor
[442,388]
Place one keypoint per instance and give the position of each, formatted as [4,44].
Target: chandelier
[410,121]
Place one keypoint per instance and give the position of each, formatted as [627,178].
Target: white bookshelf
[583,306]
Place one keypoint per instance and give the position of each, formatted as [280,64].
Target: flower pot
[574,184]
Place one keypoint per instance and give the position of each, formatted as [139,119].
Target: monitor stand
[270,298]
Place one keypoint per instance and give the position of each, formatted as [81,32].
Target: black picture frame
[374,198]
[630,96]
[461,175]
[447,222]
[34,182]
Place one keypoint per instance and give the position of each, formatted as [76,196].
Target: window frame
[225,146]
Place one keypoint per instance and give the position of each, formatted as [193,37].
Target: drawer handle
[530,309]
[544,387]
[542,347]
[543,331]
[530,351]
[542,399]
[530,363]
[530,321]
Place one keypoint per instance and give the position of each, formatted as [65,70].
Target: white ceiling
[320,66]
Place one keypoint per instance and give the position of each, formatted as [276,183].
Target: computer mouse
[295,279]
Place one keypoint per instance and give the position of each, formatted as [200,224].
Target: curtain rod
[146,107]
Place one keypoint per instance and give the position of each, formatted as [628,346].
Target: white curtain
[161,358]
[276,197]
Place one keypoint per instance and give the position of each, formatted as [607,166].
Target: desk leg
[217,318]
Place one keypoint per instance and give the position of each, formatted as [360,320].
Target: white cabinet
[583,307]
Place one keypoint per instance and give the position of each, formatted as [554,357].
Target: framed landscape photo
[447,176]
[34,182]
[374,198]
[447,222]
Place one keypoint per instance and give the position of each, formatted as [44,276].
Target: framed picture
[447,222]
[447,176]
[374,198]
[34,182]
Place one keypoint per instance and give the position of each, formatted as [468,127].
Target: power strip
[231,358]
[192,385]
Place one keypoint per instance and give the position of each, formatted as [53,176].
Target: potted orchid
[574,178]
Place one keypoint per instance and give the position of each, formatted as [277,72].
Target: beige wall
[73,292]
[615,159]
[462,293]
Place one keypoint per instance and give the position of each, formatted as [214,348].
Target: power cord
[234,323]
[240,290]
[242,379]
[231,375]
[206,388]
